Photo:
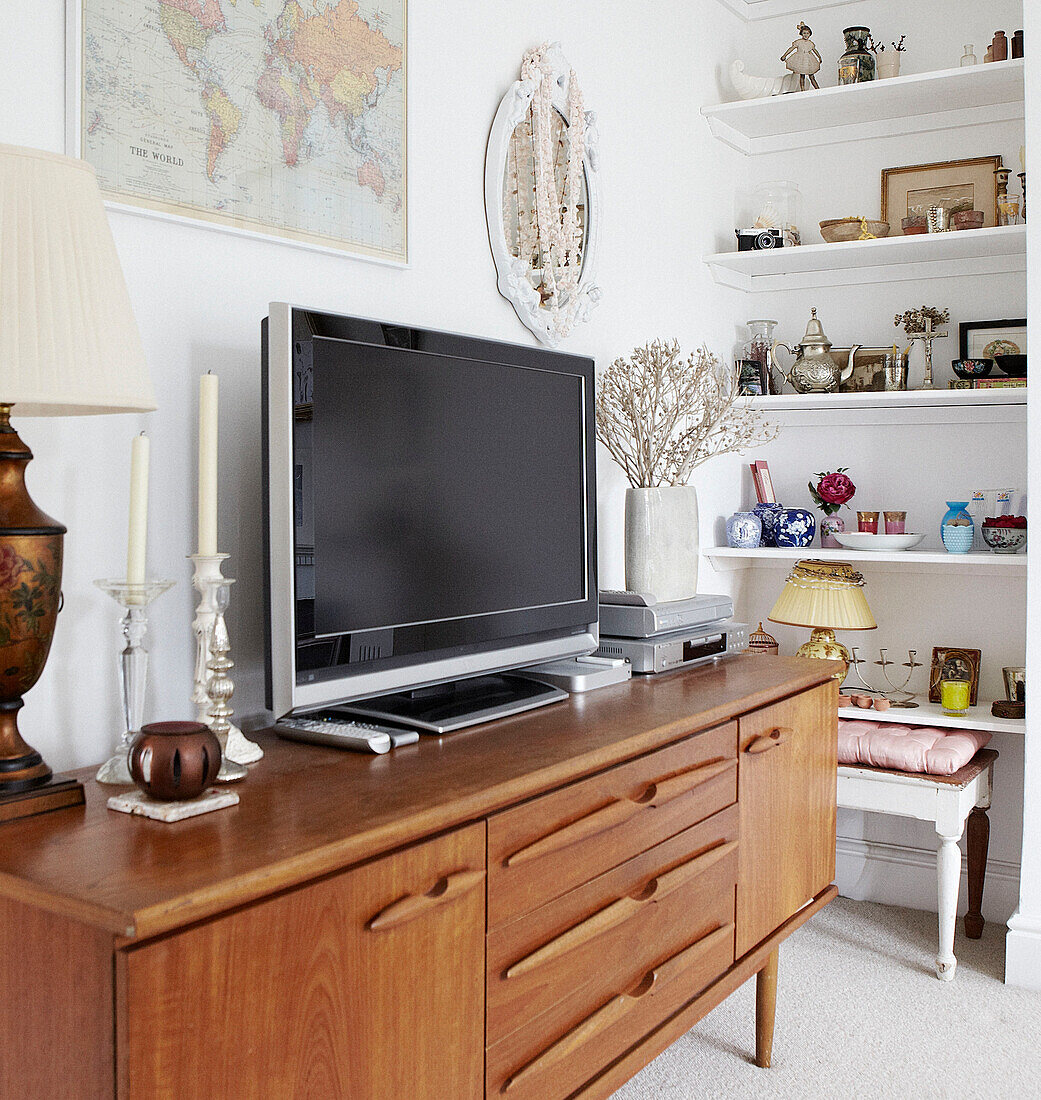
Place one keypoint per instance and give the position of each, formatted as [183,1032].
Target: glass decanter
[760,343]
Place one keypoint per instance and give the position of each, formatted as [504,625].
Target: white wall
[199,296]
[1023,945]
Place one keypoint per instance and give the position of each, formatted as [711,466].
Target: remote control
[341,734]
[627,599]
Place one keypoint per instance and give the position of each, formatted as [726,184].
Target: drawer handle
[614,813]
[609,1013]
[621,910]
[766,741]
[447,888]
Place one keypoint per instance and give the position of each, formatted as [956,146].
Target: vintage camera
[757,240]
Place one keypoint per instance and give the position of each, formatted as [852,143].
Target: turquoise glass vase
[956,527]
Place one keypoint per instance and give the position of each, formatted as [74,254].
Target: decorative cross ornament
[927,337]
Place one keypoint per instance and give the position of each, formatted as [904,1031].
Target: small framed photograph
[954,184]
[954,664]
[874,370]
[752,378]
[985,339]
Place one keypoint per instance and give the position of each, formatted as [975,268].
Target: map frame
[129,203]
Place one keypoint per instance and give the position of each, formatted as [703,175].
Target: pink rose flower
[10,567]
[835,488]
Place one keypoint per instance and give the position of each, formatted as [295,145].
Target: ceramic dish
[864,540]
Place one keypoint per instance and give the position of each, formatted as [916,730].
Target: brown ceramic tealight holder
[174,764]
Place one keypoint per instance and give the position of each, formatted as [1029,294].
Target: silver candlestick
[910,664]
[133,668]
[206,579]
[220,687]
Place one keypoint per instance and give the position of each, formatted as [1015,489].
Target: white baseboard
[895,874]
[1023,952]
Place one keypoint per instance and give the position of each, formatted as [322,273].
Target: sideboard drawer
[542,849]
[557,964]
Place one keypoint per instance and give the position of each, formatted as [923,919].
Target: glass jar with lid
[773,205]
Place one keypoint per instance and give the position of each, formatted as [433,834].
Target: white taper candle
[208,464]
[137,535]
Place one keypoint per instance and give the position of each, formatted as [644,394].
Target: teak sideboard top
[308,810]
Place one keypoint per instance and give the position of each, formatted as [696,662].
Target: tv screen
[430,503]
[441,488]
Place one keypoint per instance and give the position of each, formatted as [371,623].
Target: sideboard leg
[977,836]
[948,869]
[765,1006]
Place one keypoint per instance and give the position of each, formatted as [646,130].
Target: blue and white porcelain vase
[956,527]
[744,531]
[795,528]
[768,515]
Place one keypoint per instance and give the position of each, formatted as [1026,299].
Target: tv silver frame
[286,695]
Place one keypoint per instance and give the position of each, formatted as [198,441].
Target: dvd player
[678,648]
[641,620]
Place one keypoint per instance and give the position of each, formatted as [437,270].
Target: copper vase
[30,594]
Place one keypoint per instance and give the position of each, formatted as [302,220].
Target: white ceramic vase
[661,541]
[888,64]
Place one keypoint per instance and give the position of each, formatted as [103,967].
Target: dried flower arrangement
[880,47]
[661,416]
[914,320]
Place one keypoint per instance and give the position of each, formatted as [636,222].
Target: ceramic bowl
[839,230]
[972,368]
[867,540]
[1004,540]
[1015,366]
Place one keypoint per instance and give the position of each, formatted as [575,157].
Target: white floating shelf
[905,406]
[915,104]
[931,714]
[754,10]
[994,251]
[729,558]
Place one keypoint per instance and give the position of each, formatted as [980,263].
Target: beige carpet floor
[861,1014]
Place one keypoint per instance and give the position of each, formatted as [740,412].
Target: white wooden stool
[947,801]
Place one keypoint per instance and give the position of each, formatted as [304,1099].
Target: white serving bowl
[864,540]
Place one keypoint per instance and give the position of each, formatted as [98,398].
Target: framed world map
[279,117]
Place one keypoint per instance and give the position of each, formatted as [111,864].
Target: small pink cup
[895,522]
[867,522]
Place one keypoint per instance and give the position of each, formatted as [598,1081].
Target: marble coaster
[137,802]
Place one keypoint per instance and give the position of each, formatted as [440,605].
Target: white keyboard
[342,733]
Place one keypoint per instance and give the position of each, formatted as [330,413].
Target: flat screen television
[430,516]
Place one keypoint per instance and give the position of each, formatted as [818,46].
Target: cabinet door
[367,985]
[787,761]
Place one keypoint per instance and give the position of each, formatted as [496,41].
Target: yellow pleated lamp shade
[69,343]
[824,594]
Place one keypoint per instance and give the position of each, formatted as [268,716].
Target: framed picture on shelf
[985,339]
[868,373]
[753,379]
[954,184]
[954,664]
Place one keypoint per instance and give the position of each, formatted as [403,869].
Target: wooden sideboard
[534,908]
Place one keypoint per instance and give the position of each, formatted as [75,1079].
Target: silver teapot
[814,370]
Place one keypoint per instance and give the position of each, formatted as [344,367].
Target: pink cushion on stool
[908,748]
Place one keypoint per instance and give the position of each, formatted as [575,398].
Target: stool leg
[977,836]
[765,1006]
[948,874]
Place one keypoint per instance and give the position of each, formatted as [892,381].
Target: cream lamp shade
[69,344]
[824,594]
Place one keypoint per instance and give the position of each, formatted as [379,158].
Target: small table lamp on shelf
[827,596]
[69,346]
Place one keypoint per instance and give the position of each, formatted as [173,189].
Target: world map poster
[284,117]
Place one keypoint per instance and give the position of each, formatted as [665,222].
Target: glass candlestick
[220,687]
[133,668]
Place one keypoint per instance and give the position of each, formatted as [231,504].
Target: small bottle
[1017,44]
[999,47]
[968,58]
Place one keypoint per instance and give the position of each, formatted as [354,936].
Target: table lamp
[828,596]
[69,346]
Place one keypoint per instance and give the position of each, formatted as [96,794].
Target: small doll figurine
[802,57]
